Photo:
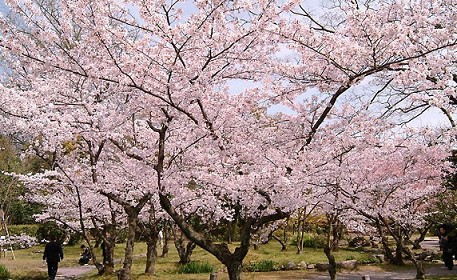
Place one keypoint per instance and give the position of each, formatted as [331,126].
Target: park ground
[28,262]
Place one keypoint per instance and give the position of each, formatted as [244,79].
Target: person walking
[53,254]
[448,244]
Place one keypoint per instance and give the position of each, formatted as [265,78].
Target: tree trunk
[230,232]
[423,232]
[331,262]
[234,269]
[384,242]
[132,222]
[300,239]
[420,271]
[165,247]
[184,247]
[337,234]
[128,257]
[108,260]
[285,236]
[332,238]
[399,254]
[151,254]
[184,251]
[283,244]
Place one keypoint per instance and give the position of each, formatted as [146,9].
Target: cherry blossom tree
[397,55]
[111,64]
[145,88]
[396,192]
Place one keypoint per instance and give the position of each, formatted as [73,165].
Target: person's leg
[56,267]
[52,270]
[448,259]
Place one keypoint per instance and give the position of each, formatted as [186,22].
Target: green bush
[195,267]
[75,238]
[262,266]
[311,241]
[4,273]
[48,229]
[368,260]
[18,230]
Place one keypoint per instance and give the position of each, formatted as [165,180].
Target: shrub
[195,267]
[358,241]
[368,260]
[23,229]
[74,239]
[262,266]
[48,229]
[311,241]
[4,273]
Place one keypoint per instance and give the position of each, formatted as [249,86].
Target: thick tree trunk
[385,243]
[108,260]
[337,234]
[184,247]
[151,254]
[332,239]
[184,251]
[399,254]
[234,269]
[331,262]
[128,257]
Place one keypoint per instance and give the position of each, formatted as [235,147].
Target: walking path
[73,272]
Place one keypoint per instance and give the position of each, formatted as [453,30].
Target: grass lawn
[29,264]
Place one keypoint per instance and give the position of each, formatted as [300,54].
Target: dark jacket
[53,252]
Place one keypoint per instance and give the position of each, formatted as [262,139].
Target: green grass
[29,261]
[261,266]
[194,267]
[4,273]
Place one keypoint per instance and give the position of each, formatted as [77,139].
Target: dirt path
[72,272]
